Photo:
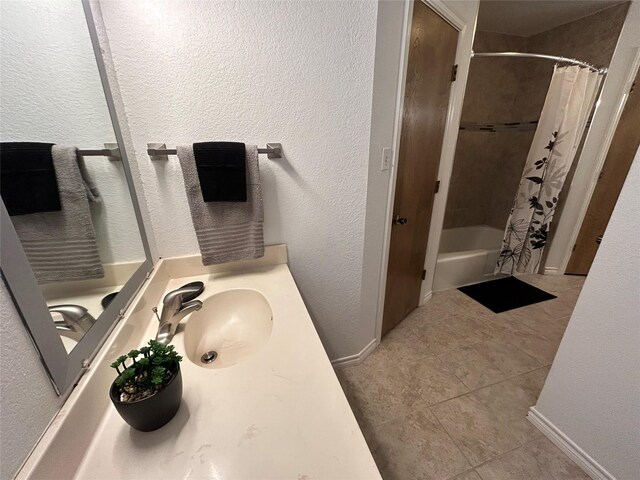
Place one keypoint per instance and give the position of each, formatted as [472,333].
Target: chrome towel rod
[159,151]
[110,151]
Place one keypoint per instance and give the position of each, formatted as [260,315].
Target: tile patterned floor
[446,394]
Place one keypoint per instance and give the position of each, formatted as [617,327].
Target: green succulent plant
[150,369]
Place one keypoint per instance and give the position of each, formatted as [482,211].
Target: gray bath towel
[90,186]
[226,231]
[62,245]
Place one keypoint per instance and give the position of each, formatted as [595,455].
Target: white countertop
[280,414]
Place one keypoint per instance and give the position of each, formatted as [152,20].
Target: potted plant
[148,390]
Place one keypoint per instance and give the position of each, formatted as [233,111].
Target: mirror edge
[115,122]
[22,285]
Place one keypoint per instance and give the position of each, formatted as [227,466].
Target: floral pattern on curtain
[564,116]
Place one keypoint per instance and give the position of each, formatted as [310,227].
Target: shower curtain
[569,102]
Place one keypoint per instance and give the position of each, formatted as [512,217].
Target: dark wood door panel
[432,52]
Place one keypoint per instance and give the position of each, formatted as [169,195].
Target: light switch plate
[386,159]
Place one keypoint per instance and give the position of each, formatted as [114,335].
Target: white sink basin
[234,324]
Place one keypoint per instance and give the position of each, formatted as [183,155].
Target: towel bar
[159,151]
[110,151]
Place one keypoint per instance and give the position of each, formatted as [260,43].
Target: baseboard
[426,297]
[356,359]
[564,443]
[551,271]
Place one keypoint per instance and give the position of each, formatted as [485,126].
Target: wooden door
[624,146]
[432,51]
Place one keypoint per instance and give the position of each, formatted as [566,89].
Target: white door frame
[466,31]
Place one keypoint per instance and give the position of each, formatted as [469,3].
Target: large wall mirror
[73,246]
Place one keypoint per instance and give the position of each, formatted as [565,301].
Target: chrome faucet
[175,306]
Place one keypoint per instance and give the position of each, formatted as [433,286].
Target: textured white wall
[51,92]
[299,73]
[27,399]
[592,393]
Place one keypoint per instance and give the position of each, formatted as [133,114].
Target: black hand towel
[28,181]
[222,171]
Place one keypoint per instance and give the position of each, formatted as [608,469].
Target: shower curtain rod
[572,61]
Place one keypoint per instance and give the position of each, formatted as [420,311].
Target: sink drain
[209,357]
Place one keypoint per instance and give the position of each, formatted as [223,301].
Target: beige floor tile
[539,459]
[376,402]
[533,381]
[534,344]
[434,382]
[454,332]
[471,367]
[469,305]
[478,434]
[533,321]
[437,339]
[434,331]
[508,358]
[509,402]
[523,430]
[390,391]
[416,447]
[470,475]
[469,328]
[554,461]
[405,346]
[552,328]
[412,321]
[554,284]
[378,390]
[440,305]
[513,320]
[562,306]
[515,465]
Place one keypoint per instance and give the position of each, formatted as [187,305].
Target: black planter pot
[153,412]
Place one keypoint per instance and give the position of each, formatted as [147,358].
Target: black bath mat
[505,294]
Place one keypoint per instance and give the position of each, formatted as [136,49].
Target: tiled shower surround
[488,165]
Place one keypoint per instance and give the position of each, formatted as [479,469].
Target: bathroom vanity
[269,406]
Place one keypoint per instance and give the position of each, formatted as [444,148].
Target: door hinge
[437,188]
[454,73]
[424,274]
[574,247]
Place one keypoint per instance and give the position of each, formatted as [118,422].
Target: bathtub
[467,255]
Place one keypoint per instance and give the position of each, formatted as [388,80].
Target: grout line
[450,438]
[491,384]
